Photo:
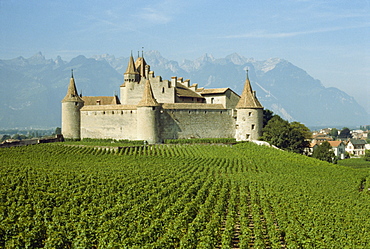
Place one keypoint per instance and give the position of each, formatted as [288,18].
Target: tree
[367,155]
[334,133]
[345,133]
[267,115]
[298,137]
[276,132]
[5,137]
[58,131]
[288,136]
[324,152]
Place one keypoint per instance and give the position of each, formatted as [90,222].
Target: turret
[131,76]
[71,105]
[147,116]
[249,115]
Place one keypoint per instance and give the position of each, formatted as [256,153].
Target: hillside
[32,88]
[188,196]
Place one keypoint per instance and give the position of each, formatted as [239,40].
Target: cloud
[153,15]
[264,34]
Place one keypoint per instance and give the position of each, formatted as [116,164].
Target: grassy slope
[314,203]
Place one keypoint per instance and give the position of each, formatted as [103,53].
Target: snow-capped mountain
[32,88]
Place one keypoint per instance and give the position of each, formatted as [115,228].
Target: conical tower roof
[148,97]
[131,69]
[140,65]
[248,98]
[72,95]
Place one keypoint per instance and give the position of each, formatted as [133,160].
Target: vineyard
[179,196]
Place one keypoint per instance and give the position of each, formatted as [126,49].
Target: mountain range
[32,89]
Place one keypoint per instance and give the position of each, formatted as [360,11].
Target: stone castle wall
[117,123]
[196,123]
[170,124]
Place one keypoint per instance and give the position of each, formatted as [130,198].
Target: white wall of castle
[132,92]
[249,124]
[170,124]
[116,124]
[229,99]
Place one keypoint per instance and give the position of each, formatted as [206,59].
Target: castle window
[189,111]
[103,112]
[169,84]
[253,126]
[212,100]
[250,114]
[112,112]
[220,112]
[153,108]
[162,89]
[247,136]
[130,111]
[121,112]
[76,103]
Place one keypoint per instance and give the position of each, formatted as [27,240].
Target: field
[179,196]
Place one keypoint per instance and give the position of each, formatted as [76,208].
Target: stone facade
[153,109]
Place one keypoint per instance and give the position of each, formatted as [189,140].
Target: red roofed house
[338,148]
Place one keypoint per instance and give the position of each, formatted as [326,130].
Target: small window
[253,126]
[162,89]
[247,136]
[212,100]
[250,114]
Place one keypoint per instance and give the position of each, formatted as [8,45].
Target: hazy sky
[329,39]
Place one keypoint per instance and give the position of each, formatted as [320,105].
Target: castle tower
[71,105]
[249,115]
[147,116]
[130,77]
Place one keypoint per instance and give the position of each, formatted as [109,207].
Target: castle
[153,109]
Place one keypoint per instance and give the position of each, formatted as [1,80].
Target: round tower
[130,77]
[147,116]
[71,105]
[249,120]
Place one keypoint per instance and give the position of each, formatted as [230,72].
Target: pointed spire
[248,98]
[131,66]
[140,64]
[72,94]
[148,97]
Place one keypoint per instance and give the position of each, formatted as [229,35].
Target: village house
[338,148]
[356,147]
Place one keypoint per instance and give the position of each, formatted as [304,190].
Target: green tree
[334,133]
[58,131]
[5,137]
[367,155]
[267,115]
[324,152]
[276,132]
[299,136]
[345,133]
[287,136]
